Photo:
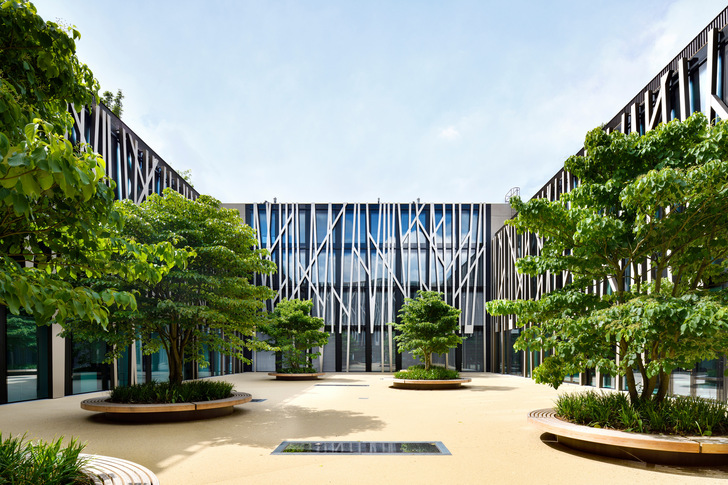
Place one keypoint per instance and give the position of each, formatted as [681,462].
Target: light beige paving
[483,425]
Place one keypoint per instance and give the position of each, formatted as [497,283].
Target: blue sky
[354,101]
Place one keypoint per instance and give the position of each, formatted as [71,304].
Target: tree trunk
[175,367]
[428,360]
[648,387]
[664,386]
[629,374]
[631,385]
[174,354]
[648,383]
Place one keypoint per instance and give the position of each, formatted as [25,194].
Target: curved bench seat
[424,384]
[654,448]
[283,376]
[107,470]
[166,411]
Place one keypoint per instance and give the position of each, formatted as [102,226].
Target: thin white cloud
[450,134]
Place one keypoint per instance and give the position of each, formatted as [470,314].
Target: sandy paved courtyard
[483,425]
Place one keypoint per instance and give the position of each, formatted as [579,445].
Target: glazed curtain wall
[694,81]
[358,262]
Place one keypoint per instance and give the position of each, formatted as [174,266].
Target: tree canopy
[427,325]
[39,71]
[115,102]
[56,206]
[648,219]
[294,332]
[211,304]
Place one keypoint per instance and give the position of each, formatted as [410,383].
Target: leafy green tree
[115,102]
[293,331]
[39,71]
[209,304]
[428,325]
[649,219]
[187,175]
[57,222]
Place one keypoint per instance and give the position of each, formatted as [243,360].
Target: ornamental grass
[24,462]
[166,392]
[676,415]
[434,373]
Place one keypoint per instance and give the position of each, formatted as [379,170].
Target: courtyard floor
[483,425]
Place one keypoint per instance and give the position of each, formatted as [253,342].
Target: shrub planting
[168,392]
[679,415]
[49,463]
[434,373]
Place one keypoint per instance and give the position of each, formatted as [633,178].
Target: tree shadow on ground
[252,424]
[257,425]
[337,380]
[490,388]
[719,472]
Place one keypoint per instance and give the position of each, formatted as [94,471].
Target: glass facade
[359,262]
[27,359]
[88,371]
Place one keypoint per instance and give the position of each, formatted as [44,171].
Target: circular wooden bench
[423,384]
[283,376]
[653,448]
[106,470]
[168,411]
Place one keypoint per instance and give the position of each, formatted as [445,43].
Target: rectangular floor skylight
[361,448]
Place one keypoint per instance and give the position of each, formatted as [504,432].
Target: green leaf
[4,145]
[20,205]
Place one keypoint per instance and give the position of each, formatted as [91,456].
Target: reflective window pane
[26,359]
[89,373]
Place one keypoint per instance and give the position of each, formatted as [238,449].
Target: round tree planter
[430,385]
[282,376]
[652,448]
[106,470]
[184,411]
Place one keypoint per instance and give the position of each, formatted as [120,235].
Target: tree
[649,219]
[39,73]
[187,175]
[428,325]
[293,331]
[57,222]
[209,304]
[114,102]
